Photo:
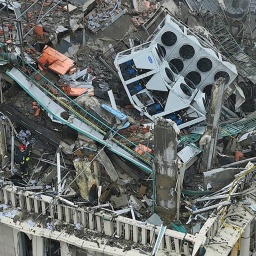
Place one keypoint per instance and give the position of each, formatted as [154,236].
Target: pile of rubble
[158,132]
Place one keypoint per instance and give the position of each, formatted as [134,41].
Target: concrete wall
[7,245]
[219,178]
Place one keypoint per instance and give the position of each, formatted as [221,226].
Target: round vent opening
[185,89]
[168,38]
[187,51]
[193,78]
[208,90]
[169,74]
[176,65]
[223,74]
[161,50]
[129,73]
[204,64]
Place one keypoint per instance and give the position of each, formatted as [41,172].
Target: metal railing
[100,221]
[59,97]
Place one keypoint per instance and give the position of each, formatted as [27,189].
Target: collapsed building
[139,145]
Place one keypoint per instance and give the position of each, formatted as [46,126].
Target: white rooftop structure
[168,76]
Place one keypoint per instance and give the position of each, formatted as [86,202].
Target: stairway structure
[59,106]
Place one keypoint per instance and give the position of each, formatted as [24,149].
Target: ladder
[55,102]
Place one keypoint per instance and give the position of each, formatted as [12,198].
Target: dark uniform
[22,158]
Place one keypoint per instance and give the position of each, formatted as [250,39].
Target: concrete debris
[129,125]
[110,169]
[104,15]
[155,220]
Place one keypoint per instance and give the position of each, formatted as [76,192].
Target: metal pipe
[58,170]
[12,153]
[42,18]
[239,162]
[231,113]
[153,187]
[27,9]
[211,207]
[68,14]
[42,6]
[108,66]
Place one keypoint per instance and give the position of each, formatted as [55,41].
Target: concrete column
[144,236]
[84,218]
[209,139]
[13,199]
[28,203]
[98,223]
[168,243]
[91,220]
[135,234]
[75,216]
[6,199]
[15,241]
[166,168]
[60,211]
[36,205]
[67,214]
[38,246]
[127,232]
[118,228]
[152,235]
[177,245]
[245,241]
[64,250]
[43,208]
[21,200]
[108,225]
[2,143]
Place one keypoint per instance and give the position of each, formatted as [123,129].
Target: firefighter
[22,158]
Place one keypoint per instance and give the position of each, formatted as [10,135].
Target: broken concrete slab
[86,176]
[119,201]
[93,105]
[219,178]
[110,169]
[154,220]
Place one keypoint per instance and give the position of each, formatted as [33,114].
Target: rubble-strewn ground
[91,174]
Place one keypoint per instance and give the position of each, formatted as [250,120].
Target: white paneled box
[166,77]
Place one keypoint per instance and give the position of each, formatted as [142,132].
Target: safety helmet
[22,147]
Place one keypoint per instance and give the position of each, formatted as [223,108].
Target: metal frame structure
[21,19]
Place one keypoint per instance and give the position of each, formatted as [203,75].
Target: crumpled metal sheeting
[205,5]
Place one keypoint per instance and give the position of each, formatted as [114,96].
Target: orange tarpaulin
[55,61]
